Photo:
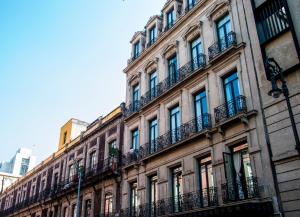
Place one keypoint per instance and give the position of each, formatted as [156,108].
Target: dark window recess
[271,19]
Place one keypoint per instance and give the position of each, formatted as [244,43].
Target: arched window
[108,205]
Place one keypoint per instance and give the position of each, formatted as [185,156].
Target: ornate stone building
[50,189]
[202,137]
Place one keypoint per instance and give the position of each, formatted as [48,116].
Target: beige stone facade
[202,137]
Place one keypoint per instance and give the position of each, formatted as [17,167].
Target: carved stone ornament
[218,9]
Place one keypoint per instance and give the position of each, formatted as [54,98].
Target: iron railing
[181,74]
[242,190]
[181,203]
[221,45]
[230,109]
[172,137]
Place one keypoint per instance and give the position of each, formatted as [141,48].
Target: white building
[20,164]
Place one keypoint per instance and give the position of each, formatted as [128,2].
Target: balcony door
[133,199]
[175,124]
[240,182]
[223,28]
[153,135]
[206,182]
[135,97]
[177,189]
[108,205]
[172,69]
[153,195]
[152,85]
[196,51]
[232,93]
[201,110]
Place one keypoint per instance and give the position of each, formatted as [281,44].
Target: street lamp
[275,71]
[79,170]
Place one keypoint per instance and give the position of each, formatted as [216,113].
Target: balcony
[185,131]
[230,109]
[222,45]
[233,191]
[172,138]
[198,63]
[188,202]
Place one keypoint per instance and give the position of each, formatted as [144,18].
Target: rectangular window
[152,135]
[71,172]
[170,18]
[135,97]
[153,194]
[108,205]
[271,19]
[153,84]
[133,199]
[201,116]
[152,35]
[223,30]
[65,137]
[177,188]
[190,4]
[88,207]
[135,139]
[172,70]
[136,50]
[55,181]
[24,166]
[232,93]
[175,124]
[113,149]
[207,182]
[196,54]
[93,159]
[240,182]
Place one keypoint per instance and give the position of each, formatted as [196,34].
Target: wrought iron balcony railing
[181,203]
[197,125]
[181,74]
[108,214]
[221,45]
[171,138]
[242,190]
[230,109]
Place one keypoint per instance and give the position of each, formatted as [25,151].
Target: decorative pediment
[151,19]
[151,65]
[134,77]
[169,49]
[217,9]
[191,32]
[136,35]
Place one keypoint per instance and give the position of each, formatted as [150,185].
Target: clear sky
[61,59]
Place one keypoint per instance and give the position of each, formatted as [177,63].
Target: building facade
[50,189]
[202,137]
[195,138]
[20,164]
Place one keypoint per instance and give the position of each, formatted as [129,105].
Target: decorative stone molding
[191,32]
[217,10]
[170,49]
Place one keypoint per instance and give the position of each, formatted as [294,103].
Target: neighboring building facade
[278,25]
[50,189]
[22,162]
[194,134]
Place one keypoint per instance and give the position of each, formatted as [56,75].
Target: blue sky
[61,59]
